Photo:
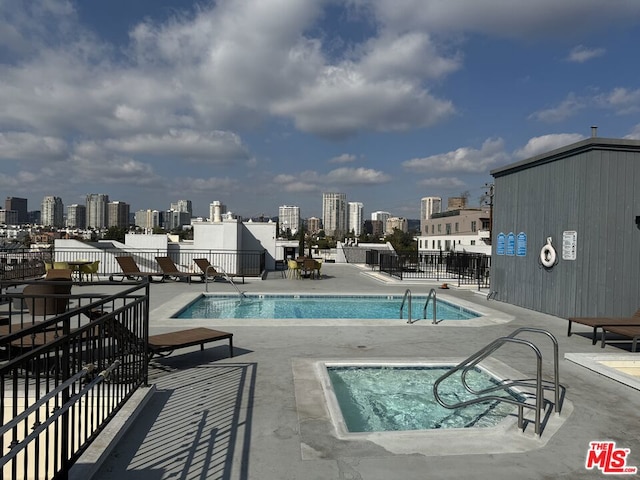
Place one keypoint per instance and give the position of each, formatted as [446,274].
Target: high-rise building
[289,218]
[399,223]
[52,212]
[20,206]
[118,214]
[183,206]
[429,206]
[334,214]
[381,217]
[175,219]
[314,225]
[355,218]
[77,216]
[148,219]
[8,217]
[97,211]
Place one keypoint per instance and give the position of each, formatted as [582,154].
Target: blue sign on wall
[511,244]
[521,246]
[500,244]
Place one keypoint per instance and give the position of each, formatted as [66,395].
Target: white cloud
[635,133]
[581,54]
[546,143]
[442,182]
[29,146]
[357,176]
[344,158]
[463,159]
[567,108]
[216,147]
[621,100]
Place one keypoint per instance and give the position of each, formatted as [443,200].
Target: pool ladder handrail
[218,269]
[407,294]
[432,295]
[483,353]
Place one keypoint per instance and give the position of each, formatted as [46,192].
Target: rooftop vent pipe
[594,131]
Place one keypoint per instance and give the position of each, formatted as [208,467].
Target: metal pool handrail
[432,293]
[483,353]
[216,268]
[407,294]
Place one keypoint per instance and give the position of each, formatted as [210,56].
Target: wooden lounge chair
[131,271]
[630,331]
[601,322]
[165,343]
[170,270]
[208,270]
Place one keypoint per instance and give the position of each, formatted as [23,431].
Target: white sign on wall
[569,240]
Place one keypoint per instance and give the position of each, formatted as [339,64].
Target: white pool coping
[612,365]
[163,316]
[316,403]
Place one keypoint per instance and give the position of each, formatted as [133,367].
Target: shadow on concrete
[197,425]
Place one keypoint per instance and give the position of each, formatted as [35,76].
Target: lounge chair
[630,331]
[165,343]
[131,271]
[208,270]
[170,270]
[601,322]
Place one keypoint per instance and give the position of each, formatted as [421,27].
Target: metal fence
[63,377]
[246,263]
[22,263]
[460,267]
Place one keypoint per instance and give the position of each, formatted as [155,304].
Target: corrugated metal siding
[593,193]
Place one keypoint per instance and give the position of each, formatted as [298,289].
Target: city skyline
[262,103]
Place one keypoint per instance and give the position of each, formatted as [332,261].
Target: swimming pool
[318,307]
[387,398]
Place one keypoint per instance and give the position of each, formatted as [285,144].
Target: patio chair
[208,270]
[601,322]
[294,269]
[170,270]
[131,271]
[90,269]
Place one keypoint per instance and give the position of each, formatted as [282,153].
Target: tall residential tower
[334,214]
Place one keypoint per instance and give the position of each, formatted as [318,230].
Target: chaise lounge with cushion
[131,271]
[171,271]
[632,332]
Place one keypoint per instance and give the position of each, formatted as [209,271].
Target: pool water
[318,307]
[383,398]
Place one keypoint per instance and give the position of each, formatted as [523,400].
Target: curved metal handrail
[217,269]
[432,293]
[483,353]
[407,294]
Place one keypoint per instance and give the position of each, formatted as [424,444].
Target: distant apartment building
[77,216]
[20,206]
[148,219]
[381,217]
[8,217]
[456,203]
[118,214]
[334,214]
[289,219]
[356,222]
[394,223]
[464,229]
[314,225]
[175,219]
[374,228]
[183,206]
[429,206]
[52,212]
[97,211]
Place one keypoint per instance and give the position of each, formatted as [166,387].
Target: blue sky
[261,103]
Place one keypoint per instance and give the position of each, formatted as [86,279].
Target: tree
[402,241]
[115,233]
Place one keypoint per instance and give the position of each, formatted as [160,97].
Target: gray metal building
[585,198]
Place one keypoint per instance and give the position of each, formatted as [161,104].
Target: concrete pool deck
[215,417]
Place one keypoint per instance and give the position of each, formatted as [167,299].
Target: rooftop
[253,417]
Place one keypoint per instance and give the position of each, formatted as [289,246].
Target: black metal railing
[22,263]
[63,377]
[463,268]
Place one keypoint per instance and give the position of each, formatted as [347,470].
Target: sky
[262,103]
